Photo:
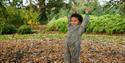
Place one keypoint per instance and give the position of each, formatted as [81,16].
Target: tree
[115,6]
[43,15]
[3,12]
[48,7]
[122,7]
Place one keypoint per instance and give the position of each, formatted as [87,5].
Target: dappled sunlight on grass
[88,37]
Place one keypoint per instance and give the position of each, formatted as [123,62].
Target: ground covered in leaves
[51,51]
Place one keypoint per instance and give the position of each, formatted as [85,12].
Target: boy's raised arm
[84,23]
[68,22]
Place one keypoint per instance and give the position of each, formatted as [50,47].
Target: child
[72,43]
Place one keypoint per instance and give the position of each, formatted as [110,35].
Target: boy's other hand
[87,10]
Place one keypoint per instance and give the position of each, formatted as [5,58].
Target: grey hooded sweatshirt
[73,40]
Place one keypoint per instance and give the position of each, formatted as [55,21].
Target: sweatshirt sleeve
[69,24]
[84,24]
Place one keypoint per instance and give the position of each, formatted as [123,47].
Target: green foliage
[61,13]
[122,7]
[12,16]
[19,17]
[25,29]
[2,11]
[16,20]
[30,17]
[114,7]
[107,23]
[58,25]
[51,9]
[98,24]
[7,28]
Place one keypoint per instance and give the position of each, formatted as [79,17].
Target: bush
[102,24]
[7,28]
[16,20]
[107,24]
[24,29]
[58,25]
[14,17]
[30,17]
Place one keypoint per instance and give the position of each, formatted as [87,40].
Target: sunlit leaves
[52,51]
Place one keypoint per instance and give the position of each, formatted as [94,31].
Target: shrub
[7,28]
[24,29]
[99,24]
[30,17]
[14,17]
[58,25]
[107,23]
[16,20]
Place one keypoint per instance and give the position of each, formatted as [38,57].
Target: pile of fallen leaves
[52,51]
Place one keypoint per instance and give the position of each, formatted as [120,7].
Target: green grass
[104,38]
[87,37]
[32,36]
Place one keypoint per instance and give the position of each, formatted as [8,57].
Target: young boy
[75,30]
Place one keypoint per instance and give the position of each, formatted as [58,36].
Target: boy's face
[74,21]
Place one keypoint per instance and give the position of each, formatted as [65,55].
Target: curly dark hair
[78,16]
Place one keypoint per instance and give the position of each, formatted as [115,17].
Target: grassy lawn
[87,37]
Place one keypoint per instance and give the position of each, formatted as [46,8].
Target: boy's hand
[87,10]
